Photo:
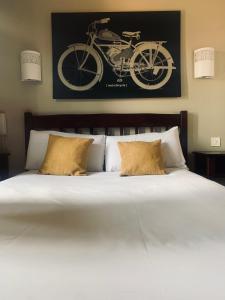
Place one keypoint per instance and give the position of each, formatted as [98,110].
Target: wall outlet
[215,141]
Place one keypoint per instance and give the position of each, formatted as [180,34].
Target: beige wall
[203,24]
[15,98]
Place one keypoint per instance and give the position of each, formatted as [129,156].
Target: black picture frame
[115,55]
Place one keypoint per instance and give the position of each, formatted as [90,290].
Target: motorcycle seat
[135,34]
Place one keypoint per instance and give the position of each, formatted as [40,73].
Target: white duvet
[103,237]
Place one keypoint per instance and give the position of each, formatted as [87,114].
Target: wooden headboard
[106,121]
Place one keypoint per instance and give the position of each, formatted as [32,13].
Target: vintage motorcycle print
[148,63]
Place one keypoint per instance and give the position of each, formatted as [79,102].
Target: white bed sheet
[103,237]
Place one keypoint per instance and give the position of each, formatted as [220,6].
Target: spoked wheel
[80,67]
[151,66]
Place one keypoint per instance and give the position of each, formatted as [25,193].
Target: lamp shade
[3,128]
[204,63]
[30,65]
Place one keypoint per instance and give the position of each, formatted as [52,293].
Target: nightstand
[4,166]
[210,164]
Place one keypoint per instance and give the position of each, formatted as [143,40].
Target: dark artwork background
[70,28]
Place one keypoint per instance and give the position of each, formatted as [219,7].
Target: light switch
[215,141]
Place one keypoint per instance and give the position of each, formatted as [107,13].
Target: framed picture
[116,55]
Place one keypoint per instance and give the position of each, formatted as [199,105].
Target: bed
[108,237]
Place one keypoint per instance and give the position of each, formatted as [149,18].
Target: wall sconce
[204,63]
[3,133]
[30,65]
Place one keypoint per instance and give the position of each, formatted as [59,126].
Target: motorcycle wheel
[156,76]
[80,67]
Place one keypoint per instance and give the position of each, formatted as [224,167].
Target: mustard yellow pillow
[65,156]
[141,158]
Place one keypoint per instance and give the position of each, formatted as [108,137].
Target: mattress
[105,237]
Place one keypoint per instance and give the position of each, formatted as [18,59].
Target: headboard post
[184,133]
[28,126]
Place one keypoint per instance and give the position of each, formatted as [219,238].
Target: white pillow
[39,141]
[171,148]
